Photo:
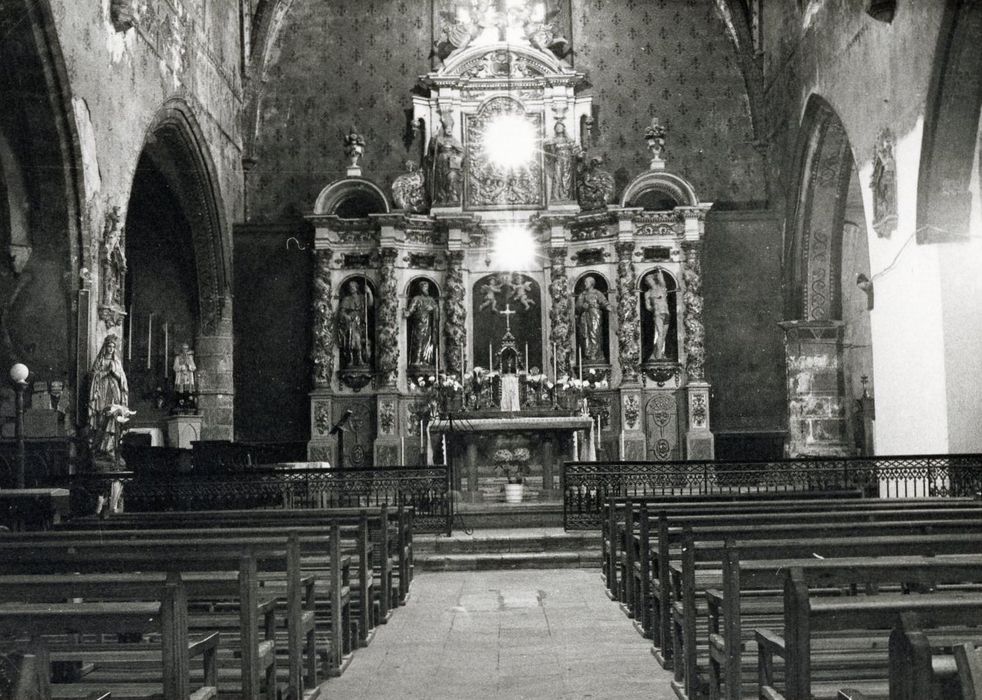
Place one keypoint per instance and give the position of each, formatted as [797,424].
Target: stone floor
[505,634]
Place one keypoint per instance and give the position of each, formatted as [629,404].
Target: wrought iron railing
[425,489]
[587,485]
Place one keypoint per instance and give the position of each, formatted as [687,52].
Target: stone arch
[662,186]
[415,279]
[951,126]
[42,195]
[175,171]
[352,198]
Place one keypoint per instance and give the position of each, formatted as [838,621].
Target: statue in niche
[656,304]
[591,308]
[356,351]
[354,147]
[563,153]
[409,189]
[446,156]
[422,316]
[596,186]
[184,382]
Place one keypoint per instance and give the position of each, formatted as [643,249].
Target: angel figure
[520,289]
[490,289]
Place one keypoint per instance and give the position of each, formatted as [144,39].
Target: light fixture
[509,141]
[514,248]
[19,374]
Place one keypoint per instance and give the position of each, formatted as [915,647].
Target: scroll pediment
[503,61]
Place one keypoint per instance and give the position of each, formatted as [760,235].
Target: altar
[505,296]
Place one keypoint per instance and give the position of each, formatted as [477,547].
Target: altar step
[517,548]
[487,516]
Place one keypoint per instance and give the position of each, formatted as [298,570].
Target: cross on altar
[507,313]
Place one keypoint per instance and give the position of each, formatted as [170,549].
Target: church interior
[565,344]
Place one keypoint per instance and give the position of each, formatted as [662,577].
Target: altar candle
[526,358]
[490,364]
[149,339]
[555,365]
[579,357]
[421,436]
[166,346]
[463,362]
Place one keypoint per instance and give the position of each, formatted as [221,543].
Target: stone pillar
[455,313]
[561,314]
[213,354]
[387,325]
[699,442]
[816,415]
[628,320]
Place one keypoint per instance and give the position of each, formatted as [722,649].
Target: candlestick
[555,365]
[526,358]
[421,436]
[490,363]
[149,339]
[579,358]
[129,340]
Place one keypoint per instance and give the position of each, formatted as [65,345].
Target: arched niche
[352,198]
[177,253]
[42,243]
[590,309]
[507,303]
[828,333]
[951,127]
[658,300]
[657,190]
[422,321]
[356,331]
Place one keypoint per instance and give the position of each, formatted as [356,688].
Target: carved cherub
[409,189]
[520,290]
[490,290]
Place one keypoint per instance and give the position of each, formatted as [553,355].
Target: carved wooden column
[628,320]
[455,329]
[560,314]
[699,440]
[388,319]
[322,352]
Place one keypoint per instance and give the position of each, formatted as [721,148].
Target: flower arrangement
[514,464]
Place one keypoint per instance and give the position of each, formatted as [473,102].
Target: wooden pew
[270,553]
[866,621]
[924,661]
[968,661]
[754,588]
[167,616]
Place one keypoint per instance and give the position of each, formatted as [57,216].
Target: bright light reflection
[509,141]
[514,248]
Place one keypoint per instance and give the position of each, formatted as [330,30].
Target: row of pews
[798,597]
[196,605]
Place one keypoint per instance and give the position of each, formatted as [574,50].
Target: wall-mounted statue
[409,189]
[592,308]
[596,186]
[113,269]
[563,154]
[422,317]
[884,185]
[656,305]
[446,155]
[354,325]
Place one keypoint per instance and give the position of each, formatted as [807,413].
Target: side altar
[496,296]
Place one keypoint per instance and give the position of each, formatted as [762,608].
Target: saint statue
[596,186]
[562,152]
[353,339]
[422,314]
[656,304]
[591,304]
[108,411]
[184,384]
[446,156]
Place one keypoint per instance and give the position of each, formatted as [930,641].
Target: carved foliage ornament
[695,332]
[456,312]
[388,330]
[561,311]
[627,312]
[322,353]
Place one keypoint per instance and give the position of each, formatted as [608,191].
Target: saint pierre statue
[591,304]
[446,156]
[563,154]
[422,314]
[656,303]
[353,327]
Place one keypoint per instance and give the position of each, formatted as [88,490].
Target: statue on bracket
[563,154]
[422,318]
[113,269]
[354,324]
[596,186]
[659,312]
[446,156]
[592,307]
[409,189]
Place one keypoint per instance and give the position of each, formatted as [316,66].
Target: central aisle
[505,634]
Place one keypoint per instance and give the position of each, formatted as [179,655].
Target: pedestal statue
[591,306]
[421,328]
[656,304]
[108,411]
[184,384]
[446,166]
[563,153]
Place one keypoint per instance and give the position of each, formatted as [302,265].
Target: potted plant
[514,465]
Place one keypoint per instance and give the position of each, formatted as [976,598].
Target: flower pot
[514,493]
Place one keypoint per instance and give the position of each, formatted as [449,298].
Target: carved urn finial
[655,136]
[354,149]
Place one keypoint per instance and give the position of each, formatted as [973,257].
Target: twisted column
[560,314]
[628,320]
[455,331]
[695,332]
[388,319]
[322,350]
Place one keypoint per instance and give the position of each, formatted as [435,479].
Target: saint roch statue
[656,304]
[353,338]
[422,316]
[591,304]
[184,369]
[563,154]
[446,156]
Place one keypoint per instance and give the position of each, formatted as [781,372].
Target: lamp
[18,375]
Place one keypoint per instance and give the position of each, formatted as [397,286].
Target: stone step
[487,543]
[513,560]
[502,515]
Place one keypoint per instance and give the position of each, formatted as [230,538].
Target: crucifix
[507,313]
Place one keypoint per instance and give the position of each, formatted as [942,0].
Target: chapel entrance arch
[828,339]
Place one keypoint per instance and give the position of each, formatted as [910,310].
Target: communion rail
[587,485]
[425,489]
